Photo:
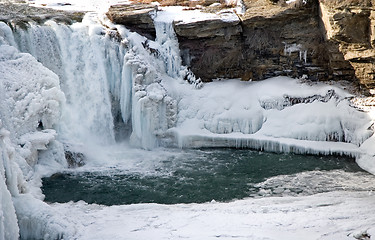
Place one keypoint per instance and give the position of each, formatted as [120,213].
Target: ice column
[8,220]
[170,52]
[166,37]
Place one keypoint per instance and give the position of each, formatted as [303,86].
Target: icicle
[8,183]
[170,52]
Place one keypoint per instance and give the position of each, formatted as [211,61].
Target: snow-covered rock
[30,101]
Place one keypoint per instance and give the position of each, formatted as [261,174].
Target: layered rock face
[322,39]
[268,40]
[21,14]
[350,34]
[137,17]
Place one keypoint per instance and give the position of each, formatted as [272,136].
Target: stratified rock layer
[322,39]
[21,14]
[350,28]
[137,17]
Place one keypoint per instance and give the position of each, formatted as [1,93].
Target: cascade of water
[105,81]
[77,55]
[108,83]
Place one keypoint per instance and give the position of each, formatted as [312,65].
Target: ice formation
[81,85]
[31,101]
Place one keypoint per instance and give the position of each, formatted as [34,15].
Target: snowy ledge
[277,115]
[38,140]
[265,143]
[181,16]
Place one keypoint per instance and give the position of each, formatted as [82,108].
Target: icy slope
[30,103]
[279,111]
[335,215]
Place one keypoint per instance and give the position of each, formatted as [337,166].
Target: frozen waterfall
[86,84]
[77,55]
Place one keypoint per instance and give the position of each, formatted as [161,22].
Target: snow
[181,16]
[30,98]
[146,79]
[75,5]
[8,221]
[334,215]
[290,48]
[247,114]
[31,101]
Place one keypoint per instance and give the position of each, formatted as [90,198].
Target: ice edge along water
[103,75]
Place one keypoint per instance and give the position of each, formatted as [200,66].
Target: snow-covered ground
[335,215]
[315,119]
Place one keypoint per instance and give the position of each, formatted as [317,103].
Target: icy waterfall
[89,85]
[68,87]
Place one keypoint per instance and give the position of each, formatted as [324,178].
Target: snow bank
[335,215]
[27,103]
[38,220]
[74,5]
[181,16]
[8,185]
[270,112]
[30,102]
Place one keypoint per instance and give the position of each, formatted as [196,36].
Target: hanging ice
[77,55]
[30,102]
[112,77]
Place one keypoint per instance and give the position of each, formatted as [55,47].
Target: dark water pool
[195,176]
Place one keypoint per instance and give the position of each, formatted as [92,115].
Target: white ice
[262,115]
[163,109]
[182,16]
[30,104]
[334,215]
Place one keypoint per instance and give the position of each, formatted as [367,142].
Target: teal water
[197,176]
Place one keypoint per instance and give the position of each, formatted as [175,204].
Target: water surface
[196,176]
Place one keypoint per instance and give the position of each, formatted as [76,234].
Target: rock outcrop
[137,17]
[350,33]
[322,39]
[268,40]
[21,14]
[211,48]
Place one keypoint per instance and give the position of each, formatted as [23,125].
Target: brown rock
[259,46]
[137,17]
[349,27]
[325,39]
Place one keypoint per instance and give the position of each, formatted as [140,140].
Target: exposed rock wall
[137,17]
[350,28]
[267,41]
[323,39]
[21,14]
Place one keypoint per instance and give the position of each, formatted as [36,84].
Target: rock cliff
[349,28]
[137,17]
[322,39]
[21,14]
[273,40]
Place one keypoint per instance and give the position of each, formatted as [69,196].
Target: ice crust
[262,114]
[30,101]
[332,215]
[64,84]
